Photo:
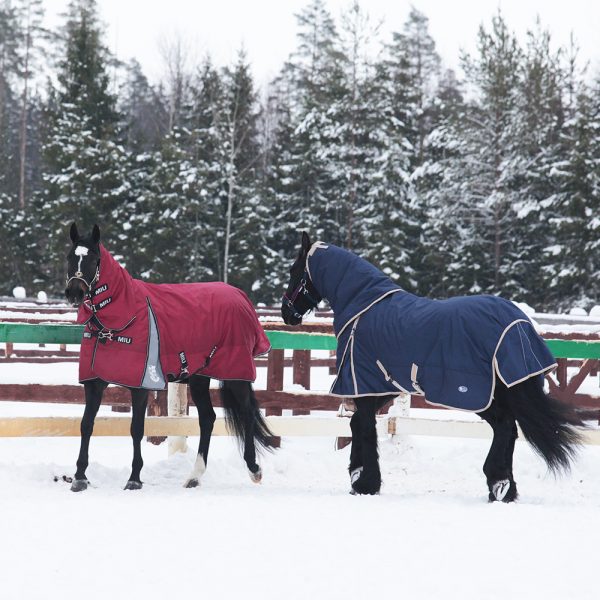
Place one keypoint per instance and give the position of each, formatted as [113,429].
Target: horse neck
[120,289]
[349,282]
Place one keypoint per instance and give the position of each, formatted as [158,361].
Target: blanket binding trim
[496,372]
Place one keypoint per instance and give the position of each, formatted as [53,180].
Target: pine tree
[571,211]
[144,113]
[86,168]
[312,78]
[472,201]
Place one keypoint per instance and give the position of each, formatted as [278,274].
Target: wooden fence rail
[575,351]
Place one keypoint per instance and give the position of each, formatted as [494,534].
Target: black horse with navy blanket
[476,353]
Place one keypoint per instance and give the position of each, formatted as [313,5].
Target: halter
[301,289]
[82,251]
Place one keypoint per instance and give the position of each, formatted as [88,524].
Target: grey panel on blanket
[153,375]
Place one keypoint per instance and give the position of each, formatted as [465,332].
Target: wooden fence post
[275,371]
[177,407]
[301,368]
[157,407]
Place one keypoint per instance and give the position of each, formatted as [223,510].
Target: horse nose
[74,293]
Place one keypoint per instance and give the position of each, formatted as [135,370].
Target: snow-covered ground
[299,534]
[430,534]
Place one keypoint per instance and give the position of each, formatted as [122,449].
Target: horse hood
[140,334]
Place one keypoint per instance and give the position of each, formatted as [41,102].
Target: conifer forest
[485,179]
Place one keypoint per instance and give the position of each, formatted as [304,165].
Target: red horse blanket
[143,335]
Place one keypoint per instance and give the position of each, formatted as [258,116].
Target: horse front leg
[199,388]
[93,397]
[367,480]
[139,401]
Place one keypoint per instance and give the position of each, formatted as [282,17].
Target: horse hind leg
[498,464]
[245,421]
[199,388]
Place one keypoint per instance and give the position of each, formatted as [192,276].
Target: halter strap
[301,289]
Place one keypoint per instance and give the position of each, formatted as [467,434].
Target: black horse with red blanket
[141,336]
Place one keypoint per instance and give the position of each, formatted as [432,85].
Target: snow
[299,534]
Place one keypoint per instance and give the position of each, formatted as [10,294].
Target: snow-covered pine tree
[86,169]
[573,251]
[245,218]
[145,116]
[534,150]
[312,76]
[405,87]
[473,180]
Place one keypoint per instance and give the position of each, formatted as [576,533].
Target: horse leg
[199,388]
[498,464]
[93,397]
[139,401]
[367,480]
[244,418]
[356,460]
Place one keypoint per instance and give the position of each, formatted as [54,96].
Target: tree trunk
[23,127]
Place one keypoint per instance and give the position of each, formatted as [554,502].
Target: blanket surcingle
[450,351]
[140,334]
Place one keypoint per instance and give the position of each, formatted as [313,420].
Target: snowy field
[431,532]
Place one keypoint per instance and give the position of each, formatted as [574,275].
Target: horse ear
[305,242]
[96,234]
[73,233]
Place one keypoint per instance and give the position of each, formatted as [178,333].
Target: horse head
[83,264]
[300,295]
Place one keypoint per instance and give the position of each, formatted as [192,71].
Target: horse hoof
[79,485]
[191,483]
[133,485]
[257,476]
[367,485]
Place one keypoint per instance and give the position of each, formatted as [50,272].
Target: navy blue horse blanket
[391,341]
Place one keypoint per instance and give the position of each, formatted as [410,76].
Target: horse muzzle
[75,292]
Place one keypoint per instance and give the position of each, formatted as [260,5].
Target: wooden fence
[578,354]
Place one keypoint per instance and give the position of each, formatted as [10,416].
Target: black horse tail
[548,424]
[243,416]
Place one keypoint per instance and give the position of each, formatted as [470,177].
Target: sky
[267,28]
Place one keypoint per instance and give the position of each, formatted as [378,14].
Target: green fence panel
[44,333]
[574,348]
[301,341]
[51,333]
